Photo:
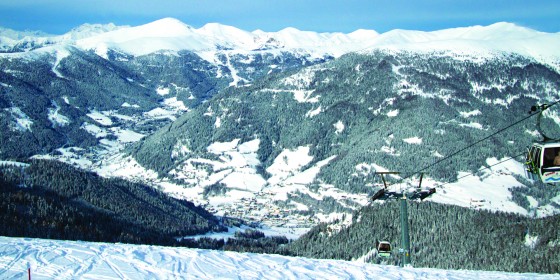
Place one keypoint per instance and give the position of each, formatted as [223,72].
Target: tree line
[443,236]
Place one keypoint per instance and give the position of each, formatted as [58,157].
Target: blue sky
[59,16]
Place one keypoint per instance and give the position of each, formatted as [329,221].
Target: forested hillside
[443,236]
[360,91]
[49,199]
[400,111]
[47,97]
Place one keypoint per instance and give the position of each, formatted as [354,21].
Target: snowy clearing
[100,118]
[489,189]
[53,259]
[162,91]
[393,113]
[22,121]
[413,140]
[56,118]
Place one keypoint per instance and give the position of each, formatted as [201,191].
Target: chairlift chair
[384,249]
[539,164]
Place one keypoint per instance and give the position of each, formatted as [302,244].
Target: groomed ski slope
[54,259]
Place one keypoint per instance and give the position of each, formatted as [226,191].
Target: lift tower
[385,194]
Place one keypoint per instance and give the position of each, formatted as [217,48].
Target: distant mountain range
[283,126]
[170,34]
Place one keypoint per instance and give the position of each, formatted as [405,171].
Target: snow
[287,163]
[171,35]
[249,147]
[120,165]
[246,179]
[218,122]
[307,176]
[214,41]
[489,190]
[236,78]
[220,147]
[470,114]
[531,240]
[94,130]
[235,168]
[127,105]
[339,127]
[313,113]
[472,125]
[56,118]
[304,96]
[175,104]
[100,118]
[413,140]
[23,122]
[162,91]
[55,259]
[393,113]
[60,55]
[72,156]
[127,135]
[238,161]
[390,151]
[300,96]
[161,113]
[437,154]
[248,195]
[13,163]
[475,42]
[164,34]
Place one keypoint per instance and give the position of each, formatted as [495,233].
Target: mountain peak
[88,30]
[166,27]
[172,34]
[225,32]
[363,33]
[18,35]
[496,31]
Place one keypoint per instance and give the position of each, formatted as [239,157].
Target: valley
[286,131]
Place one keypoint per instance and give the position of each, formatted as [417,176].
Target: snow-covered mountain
[48,259]
[311,142]
[84,96]
[173,35]
[170,34]
[12,41]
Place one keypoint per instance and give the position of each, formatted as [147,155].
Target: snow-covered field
[54,259]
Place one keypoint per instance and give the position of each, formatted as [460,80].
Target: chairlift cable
[486,167]
[531,114]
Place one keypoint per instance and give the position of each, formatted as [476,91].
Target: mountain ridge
[173,35]
[306,111]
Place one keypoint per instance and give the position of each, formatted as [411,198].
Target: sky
[60,16]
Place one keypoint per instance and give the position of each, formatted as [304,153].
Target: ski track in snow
[55,259]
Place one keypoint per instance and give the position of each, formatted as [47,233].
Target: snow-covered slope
[12,41]
[50,259]
[490,189]
[476,42]
[234,54]
[170,34]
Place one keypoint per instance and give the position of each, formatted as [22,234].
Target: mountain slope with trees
[398,110]
[442,236]
[49,199]
[47,97]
